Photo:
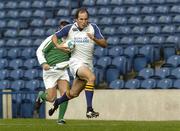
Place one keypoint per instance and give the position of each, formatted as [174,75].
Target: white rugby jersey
[84,46]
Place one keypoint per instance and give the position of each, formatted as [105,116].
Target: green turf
[87,125]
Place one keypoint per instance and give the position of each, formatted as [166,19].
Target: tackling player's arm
[59,35]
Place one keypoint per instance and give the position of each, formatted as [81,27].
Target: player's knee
[91,79]
[74,94]
[52,99]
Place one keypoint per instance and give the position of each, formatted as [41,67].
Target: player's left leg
[63,86]
[86,74]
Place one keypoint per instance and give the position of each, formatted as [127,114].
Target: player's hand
[63,48]
[46,66]
[90,36]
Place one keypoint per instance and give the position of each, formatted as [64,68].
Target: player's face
[82,20]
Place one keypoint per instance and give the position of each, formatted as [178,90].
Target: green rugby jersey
[48,53]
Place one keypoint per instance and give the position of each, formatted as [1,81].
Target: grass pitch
[87,125]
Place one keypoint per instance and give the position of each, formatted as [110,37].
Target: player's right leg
[77,87]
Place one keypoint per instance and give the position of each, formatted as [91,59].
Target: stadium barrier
[127,105]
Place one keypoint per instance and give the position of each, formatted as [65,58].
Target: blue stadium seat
[165,83]
[50,31]
[31,74]
[15,63]
[92,11]
[4,74]
[175,9]
[174,60]
[129,2]
[2,23]
[162,72]
[157,40]
[104,11]
[168,29]
[145,73]
[11,33]
[132,84]
[2,14]
[94,20]
[25,33]
[102,2]
[37,23]
[28,53]
[65,3]
[150,19]
[172,1]
[133,10]
[116,2]
[38,41]
[12,42]
[99,73]
[11,4]
[134,20]
[38,32]
[122,63]
[139,62]
[26,42]
[142,40]
[88,2]
[109,31]
[148,83]
[176,84]
[158,2]
[100,52]
[104,62]
[5,84]
[117,84]
[24,4]
[3,52]
[14,53]
[106,21]
[16,74]
[51,4]
[51,22]
[147,10]
[120,20]
[17,85]
[2,5]
[38,4]
[25,13]
[113,40]
[127,40]
[111,74]
[30,63]
[153,29]
[138,30]
[115,51]
[118,10]
[63,12]
[26,108]
[131,51]
[39,13]
[2,43]
[13,24]
[176,72]
[123,30]
[3,63]
[148,52]
[165,19]
[162,9]
[32,85]
[12,14]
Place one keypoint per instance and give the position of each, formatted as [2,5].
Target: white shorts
[75,64]
[51,76]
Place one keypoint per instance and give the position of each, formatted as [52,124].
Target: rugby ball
[70,44]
